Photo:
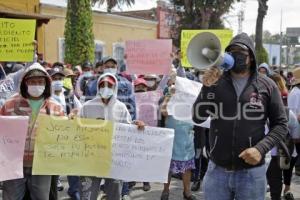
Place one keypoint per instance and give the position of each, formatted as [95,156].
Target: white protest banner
[143,156]
[13,131]
[181,103]
[112,150]
[149,56]
[147,106]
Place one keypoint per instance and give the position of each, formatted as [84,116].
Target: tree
[79,37]
[260,51]
[201,14]
[113,3]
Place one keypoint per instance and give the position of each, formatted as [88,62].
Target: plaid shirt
[17,105]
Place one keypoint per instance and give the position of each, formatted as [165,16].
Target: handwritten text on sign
[136,152]
[72,147]
[16,39]
[149,56]
[103,149]
[13,131]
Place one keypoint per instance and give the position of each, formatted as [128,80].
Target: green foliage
[79,37]
[262,55]
[113,3]
[200,14]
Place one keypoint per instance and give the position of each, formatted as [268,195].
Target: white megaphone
[204,51]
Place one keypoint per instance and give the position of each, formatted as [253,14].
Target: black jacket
[239,123]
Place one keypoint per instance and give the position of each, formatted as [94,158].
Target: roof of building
[22,15]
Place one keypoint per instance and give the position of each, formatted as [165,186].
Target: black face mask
[240,65]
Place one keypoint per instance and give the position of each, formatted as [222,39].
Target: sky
[290,16]
[290,10]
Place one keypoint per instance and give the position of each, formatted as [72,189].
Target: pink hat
[140,81]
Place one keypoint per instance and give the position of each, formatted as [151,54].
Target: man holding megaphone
[239,101]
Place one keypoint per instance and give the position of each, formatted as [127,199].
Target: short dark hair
[99,63]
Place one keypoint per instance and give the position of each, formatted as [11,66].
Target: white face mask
[57,85]
[151,83]
[111,70]
[106,92]
[88,74]
[36,90]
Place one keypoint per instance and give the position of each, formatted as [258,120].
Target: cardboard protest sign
[148,56]
[136,152]
[89,147]
[70,147]
[147,106]
[16,39]
[224,35]
[13,131]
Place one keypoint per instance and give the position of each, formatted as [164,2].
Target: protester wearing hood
[125,90]
[105,106]
[264,69]
[240,101]
[33,99]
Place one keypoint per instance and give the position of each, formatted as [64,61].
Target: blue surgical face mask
[88,74]
[106,92]
[57,85]
[111,70]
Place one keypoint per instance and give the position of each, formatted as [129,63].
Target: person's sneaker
[195,186]
[146,187]
[126,197]
[288,196]
[164,196]
[60,186]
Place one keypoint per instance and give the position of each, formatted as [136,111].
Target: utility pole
[280,50]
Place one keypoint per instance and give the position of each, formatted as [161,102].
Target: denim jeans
[125,188]
[38,186]
[74,184]
[90,187]
[247,184]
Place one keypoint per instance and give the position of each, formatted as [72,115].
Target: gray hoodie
[115,110]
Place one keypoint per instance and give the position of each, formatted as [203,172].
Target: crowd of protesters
[228,159]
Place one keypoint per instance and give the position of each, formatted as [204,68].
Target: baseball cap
[108,58]
[56,70]
[108,79]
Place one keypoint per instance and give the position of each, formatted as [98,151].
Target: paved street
[176,191]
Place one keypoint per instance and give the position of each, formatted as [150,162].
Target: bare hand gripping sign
[89,147]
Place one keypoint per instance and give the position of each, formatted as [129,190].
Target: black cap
[87,65]
[56,70]
[108,58]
